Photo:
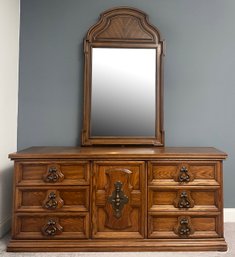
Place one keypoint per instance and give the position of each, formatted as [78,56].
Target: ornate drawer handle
[53,175]
[52,228]
[184,228]
[53,201]
[118,199]
[184,200]
[184,175]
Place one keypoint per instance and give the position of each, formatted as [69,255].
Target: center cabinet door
[119,204]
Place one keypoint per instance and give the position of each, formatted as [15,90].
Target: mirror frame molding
[123,27]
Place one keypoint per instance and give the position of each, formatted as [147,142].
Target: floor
[229,235]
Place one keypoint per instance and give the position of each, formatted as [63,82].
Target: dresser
[118,199]
[122,190]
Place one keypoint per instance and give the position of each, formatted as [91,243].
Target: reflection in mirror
[123,97]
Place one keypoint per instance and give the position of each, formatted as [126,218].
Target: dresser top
[119,153]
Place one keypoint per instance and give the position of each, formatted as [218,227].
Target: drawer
[188,226]
[49,173]
[163,199]
[182,173]
[52,199]
[54,226]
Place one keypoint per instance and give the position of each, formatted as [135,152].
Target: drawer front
[49,173]
[119,199]
[49,199]
[56,226]
[188,226]
[182,173]
[161,199]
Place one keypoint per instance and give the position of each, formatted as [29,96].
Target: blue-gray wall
[199,72]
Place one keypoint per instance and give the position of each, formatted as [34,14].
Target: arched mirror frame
[123,27]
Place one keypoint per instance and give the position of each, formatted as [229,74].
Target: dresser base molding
[116,245]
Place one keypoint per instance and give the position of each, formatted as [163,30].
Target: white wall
[9,58]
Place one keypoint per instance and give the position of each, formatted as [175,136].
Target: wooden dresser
[118,199]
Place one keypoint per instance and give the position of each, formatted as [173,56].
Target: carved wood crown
[123,24]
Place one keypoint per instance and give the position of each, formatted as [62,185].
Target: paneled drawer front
[181,173]
[119,199]
[54,226]
[165,199]
[49,199]
[183,226]
[49,173]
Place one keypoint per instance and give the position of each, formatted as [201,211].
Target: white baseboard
[229,214]
[5,226]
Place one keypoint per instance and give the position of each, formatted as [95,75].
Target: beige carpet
[229,235]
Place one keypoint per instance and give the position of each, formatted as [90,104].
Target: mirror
[123,92]
[123,81]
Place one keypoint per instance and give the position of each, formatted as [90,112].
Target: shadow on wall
[6,181]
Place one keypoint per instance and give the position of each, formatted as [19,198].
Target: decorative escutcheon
[184,200]
[184,175]
[53,175]
[118,199]
[53,201]
[52,228]
[184,228]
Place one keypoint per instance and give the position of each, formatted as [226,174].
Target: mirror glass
[123,96]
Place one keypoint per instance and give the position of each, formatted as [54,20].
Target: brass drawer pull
[53,175]
[52,228]
[118,199]
[53,201]
[184,227]
[184,175]
[184,200]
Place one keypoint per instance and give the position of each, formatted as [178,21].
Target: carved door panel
[118,199]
